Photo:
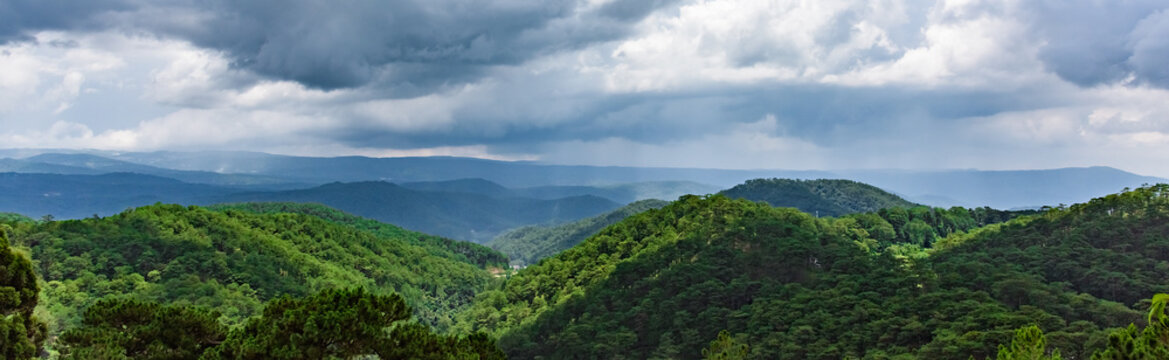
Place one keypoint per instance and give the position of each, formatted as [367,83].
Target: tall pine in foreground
[21,334]
[332,324]
[124,328]
[342,324]
[1152,343]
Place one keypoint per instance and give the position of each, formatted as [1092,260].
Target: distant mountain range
[260,171]
[458,215]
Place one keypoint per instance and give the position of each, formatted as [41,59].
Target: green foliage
[342,324]
[21,333]
[900,283]
[823,197]
[233,261]
[1149,344]
[1028,344]
[7,217]
[527,245]
[461,251]
[129,329]
[725,348]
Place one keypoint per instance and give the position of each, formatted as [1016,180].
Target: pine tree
[1133,344]
[725,348]
[1028,344]
[21,334]
[119,328]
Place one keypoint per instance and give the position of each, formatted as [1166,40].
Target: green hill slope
[529,244]
[461,251]
[232,261]
[663,283]
[822,197]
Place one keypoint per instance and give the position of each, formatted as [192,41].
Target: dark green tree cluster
[21,333]
[233,261]
[1128,343]
[122,328]
[823,197]
[332,324]
[725,348]
[921,226]
[1148,344]
[1028,344]
[662,283]
[529,244]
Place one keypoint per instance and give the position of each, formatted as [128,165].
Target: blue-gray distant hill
[457,215]
[818,197]
[969,188]
[621,193]
[88,164]
[463,216]
[77,196]
[1007,189]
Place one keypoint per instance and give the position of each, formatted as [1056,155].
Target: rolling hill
[664,283]
[620,193]
[818,197]
[464,216]
[232,261]
[527,245]
[77,196]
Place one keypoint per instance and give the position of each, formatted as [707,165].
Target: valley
[791,269]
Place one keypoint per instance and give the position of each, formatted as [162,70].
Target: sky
[743,84]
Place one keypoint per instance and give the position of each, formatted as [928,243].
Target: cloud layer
[706,83]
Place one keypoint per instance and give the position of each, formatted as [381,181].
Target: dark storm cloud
[821,114]
[339,44]
[18,17]
[1098,42]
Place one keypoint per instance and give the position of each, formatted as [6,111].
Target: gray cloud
[825,115]
[18,17]
[519,77]
[340,44]
[1099,42]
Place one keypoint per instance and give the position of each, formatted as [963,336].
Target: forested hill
[462,251]
[822,197]
[663,283]
[529,244]
[462,216]
[232,261]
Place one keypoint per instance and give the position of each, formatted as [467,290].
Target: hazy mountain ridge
[620,193]
[969,188]
[464,216]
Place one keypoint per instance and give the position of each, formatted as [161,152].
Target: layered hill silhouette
[665,282]
[1002,189]
[529,244]
[459,215]
[465,216]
